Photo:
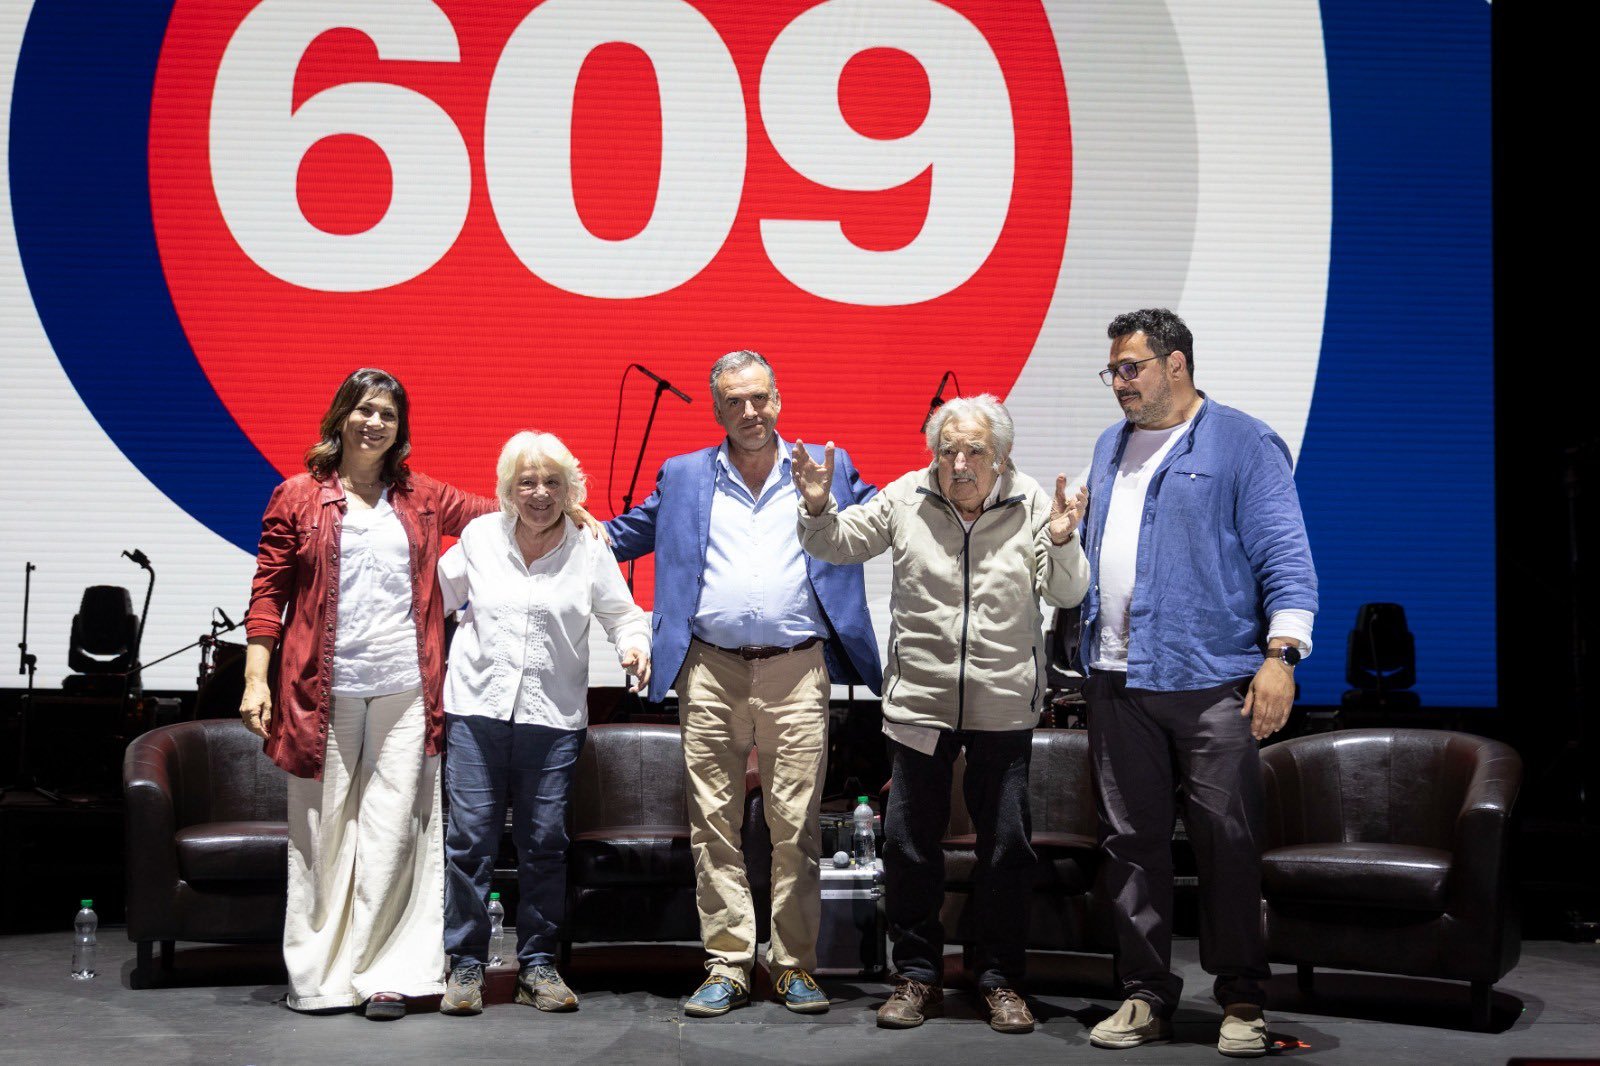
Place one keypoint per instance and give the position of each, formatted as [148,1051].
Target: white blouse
[521,653]
[375,644]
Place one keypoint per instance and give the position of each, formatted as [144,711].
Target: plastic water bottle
[84,942]
[497,930]
[863,841]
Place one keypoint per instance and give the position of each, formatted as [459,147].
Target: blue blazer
[675,523]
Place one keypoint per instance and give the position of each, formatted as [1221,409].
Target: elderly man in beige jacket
[975,545]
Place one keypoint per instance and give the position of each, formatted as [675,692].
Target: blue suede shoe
[800,992]
[718,995]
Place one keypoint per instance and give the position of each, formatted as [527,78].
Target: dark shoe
[463,994]
[800,992]
[909,1004]
[1244,1031]
[1134,1023]
[386,1006]
[542,987]
[716,995]
[1008,1011]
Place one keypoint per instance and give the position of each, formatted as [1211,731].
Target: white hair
[983,408]
[530,446]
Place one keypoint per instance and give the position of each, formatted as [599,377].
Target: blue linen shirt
[756,588]
[1222,545]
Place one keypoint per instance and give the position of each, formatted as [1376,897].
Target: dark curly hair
[323,457]
[1164,331]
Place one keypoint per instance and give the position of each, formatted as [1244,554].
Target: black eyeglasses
[1126,371]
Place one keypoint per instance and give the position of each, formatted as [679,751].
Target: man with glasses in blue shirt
[1201,599]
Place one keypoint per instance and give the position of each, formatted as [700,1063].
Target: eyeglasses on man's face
[1126,371]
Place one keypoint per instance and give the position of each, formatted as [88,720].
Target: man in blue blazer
[750,630]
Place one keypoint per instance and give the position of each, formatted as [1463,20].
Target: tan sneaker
[1134,1023]
[464,992]
[1244,1031]
[909,1004]
[542,987]
[1008,1011]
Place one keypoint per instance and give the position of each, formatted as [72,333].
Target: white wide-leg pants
[366,861]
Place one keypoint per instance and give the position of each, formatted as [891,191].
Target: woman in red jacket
[345,587]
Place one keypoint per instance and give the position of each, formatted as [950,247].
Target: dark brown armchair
[630,874]
[207,839]
[1386,851]
[1066,912]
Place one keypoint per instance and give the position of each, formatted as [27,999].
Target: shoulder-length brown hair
[323,457]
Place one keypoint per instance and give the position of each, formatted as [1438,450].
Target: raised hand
[813,481]
[1066,513]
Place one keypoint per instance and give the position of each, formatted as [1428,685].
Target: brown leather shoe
[1008,1011]
[910,1003]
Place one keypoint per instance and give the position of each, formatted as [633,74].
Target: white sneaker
[1244,1031]
[1134,1023]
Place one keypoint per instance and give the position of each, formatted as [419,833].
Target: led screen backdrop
[217,209]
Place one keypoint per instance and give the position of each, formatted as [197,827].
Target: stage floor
[223,1005]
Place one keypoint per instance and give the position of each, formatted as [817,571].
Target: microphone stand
[28,664]
[137,670]
[206,643]
[662,386]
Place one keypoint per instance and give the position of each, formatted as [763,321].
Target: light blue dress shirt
[756,587]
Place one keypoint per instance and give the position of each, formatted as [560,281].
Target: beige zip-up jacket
[966,636]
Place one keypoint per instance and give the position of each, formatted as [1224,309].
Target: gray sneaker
[1134,1023]
[464,992]
[542,987]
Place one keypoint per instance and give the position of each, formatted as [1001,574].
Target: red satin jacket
[295,600]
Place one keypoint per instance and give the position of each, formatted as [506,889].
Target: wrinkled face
[540,490]
[747,407]
[967,462]
[1147,399]
[371,426]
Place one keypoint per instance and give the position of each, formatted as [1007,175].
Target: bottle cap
[86,903]
[861,799]
[494,895]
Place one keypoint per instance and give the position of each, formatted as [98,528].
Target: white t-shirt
[375,646]
[1119,545]
[1119,552]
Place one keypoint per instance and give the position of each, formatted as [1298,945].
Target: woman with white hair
[527,581]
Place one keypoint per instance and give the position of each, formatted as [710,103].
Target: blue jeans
[484,760]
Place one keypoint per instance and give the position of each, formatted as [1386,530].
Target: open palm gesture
[813,480]
[1066,512]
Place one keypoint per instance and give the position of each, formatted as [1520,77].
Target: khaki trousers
[779,705]
[366,861]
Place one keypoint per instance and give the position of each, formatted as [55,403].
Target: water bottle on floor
[864,845]
[84,941]
[497,930]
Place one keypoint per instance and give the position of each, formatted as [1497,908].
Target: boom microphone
[663,382]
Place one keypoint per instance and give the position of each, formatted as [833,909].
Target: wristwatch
[1288,653]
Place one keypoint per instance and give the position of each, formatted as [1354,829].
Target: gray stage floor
[223,1005]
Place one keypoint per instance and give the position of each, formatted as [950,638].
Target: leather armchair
[1385,851]
[630,874]
[1066,911]
[207,839]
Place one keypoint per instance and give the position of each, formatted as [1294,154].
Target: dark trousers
[1143,744]
[996,793]
[487,759]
